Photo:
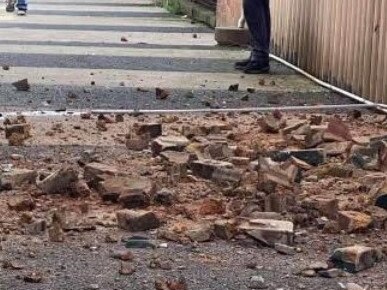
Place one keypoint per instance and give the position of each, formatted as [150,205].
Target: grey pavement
[76,47]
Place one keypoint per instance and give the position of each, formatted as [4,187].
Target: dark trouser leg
[257,14]
[22,5]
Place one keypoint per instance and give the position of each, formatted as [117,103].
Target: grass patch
[173,6]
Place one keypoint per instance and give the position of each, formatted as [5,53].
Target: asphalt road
[211,266]
[84,259]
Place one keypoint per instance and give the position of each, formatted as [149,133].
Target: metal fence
[343,42]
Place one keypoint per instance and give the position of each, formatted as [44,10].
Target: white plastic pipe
[41,113]
[352,96]
[238,110]
[192,111]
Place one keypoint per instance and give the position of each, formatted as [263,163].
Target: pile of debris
[315,174]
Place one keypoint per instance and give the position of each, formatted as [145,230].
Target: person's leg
[22,5]
[257,13]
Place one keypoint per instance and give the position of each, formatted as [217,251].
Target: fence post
[227,32]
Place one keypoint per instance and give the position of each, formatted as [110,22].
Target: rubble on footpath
[356,258]
[259,178]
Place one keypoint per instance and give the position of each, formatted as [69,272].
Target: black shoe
[240,65]
[257,67]
[10,7]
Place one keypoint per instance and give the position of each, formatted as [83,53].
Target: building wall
[343,42]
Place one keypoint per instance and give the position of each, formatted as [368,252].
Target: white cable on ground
[41,113]
[333,88]
[239,110]
[191,111]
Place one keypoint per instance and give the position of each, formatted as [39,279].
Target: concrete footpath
[101,52]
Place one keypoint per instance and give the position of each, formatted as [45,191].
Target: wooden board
[228,13]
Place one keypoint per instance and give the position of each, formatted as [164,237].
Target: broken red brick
[353,221]
[153,130]
[212,207]
[137,221]
[171,142]
[337,131]
[356,258]
[22,204]
[269,124]
[61,181]
[162,94]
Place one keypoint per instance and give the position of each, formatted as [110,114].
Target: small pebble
[257,282]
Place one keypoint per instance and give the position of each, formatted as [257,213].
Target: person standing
[21,5]
[257,15]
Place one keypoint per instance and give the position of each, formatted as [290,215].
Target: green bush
[173,6]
